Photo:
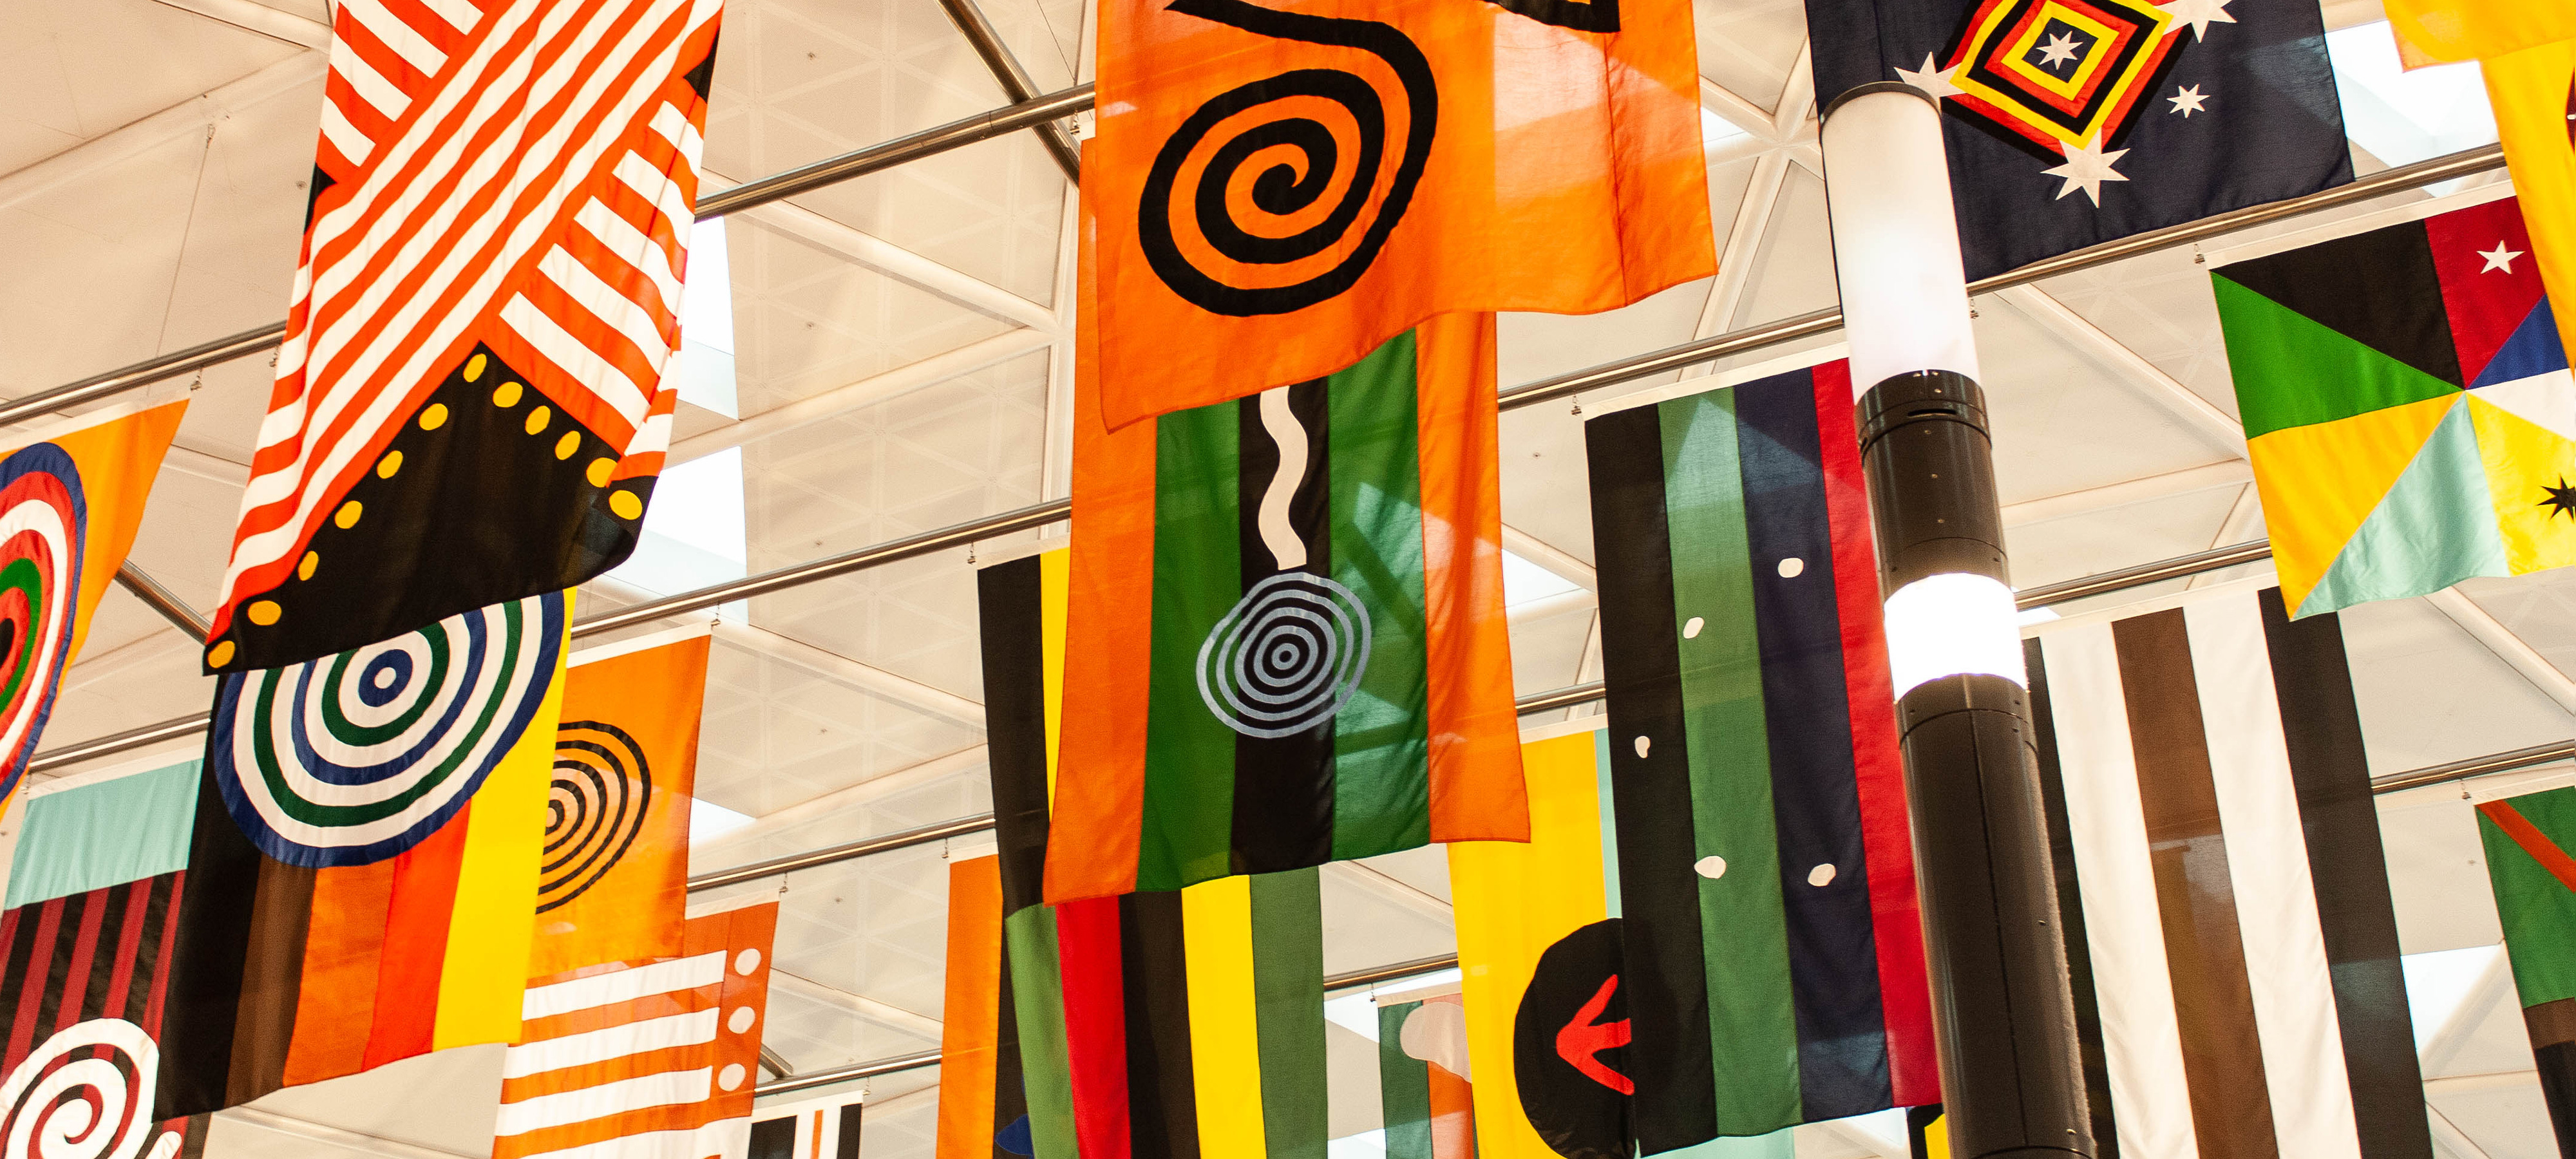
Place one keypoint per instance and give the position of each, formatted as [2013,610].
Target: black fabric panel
[2558,1089]
[1283,786]
[2070,911]
[203,992]
[773,1138]
[480,512]
[56,960]
[1014,646]
[22,959]
[1666,990]
[1815,802]
[2322,726]
[115,901]
[2396,309]
[847,1145]
[1162,1096]
[1010,1086]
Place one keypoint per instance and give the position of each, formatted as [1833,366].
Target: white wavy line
[1284,543]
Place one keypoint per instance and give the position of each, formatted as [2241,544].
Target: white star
[1933,80]
[2086,168]
[2499,258]
[2200,14]
[2188,100]
[2059,49]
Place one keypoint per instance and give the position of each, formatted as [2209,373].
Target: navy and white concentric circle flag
[358,756]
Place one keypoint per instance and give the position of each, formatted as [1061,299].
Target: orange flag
[71,499]
[1273,194]
[614,883]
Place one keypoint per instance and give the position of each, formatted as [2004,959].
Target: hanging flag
[1273,195]
[2223,893]
[613,885]
[1285,639]
[2407,407]
[366,857]
[1927,1134]
[2533,94]
[824,1128]
[1770,936]
[2069,123]
[1424,1093]
[469,406]
[1160,1025]
[651,1059]
[983,1104]
[71,498]
[2527,842]
[97,874]
[2457,30]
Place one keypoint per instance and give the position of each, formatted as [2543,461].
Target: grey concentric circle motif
[1287,657]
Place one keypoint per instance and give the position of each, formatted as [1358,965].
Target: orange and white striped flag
[644,1060]
[469,406]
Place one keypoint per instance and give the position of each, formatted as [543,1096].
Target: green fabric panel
[2538,910]
[2292,372]
[1198,577]
[1752,1024]
[2434,528]
[1404,1087]
[1381,742]
[1037,998]
[1288,1010]
[103,834]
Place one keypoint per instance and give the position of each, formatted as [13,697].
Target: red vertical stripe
[40,965]
[154,999]
[129,944]
[84,954]
[1095,1025]
[1878,770]
[416,925]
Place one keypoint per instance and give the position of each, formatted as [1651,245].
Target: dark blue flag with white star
[2073,122]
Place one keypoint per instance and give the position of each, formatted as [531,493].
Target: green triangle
[2434,528]
[2292,371]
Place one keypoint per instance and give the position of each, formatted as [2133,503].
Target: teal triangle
[2434,528]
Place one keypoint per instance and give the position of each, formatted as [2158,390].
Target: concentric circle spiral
[85,1093]
[1287,657]
[44,523]
[355,757]
[1274,152]
[602,788]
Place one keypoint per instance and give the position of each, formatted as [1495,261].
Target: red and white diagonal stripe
[643,1061]
[518,173]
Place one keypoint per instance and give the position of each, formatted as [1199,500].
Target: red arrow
[1581,1041]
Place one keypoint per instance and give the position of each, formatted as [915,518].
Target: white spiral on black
[1287,657]
[85,1093]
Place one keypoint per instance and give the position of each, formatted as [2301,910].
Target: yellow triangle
[2523,461]
[2319,482]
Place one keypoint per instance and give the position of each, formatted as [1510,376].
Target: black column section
[2011,1076]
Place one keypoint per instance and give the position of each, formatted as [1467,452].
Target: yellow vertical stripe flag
[71,499]
[2456,30]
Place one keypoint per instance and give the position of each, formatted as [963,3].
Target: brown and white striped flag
[2221,883]
[644,1060]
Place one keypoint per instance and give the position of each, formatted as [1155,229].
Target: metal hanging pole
[1014,80]
[2003,1008]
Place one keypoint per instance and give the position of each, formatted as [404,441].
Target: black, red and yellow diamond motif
[2060,73]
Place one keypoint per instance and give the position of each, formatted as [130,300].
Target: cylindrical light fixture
[2004,1014]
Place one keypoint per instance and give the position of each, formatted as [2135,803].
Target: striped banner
[1771,940]
[825,1128]
[1425,1098]
[1285,637]
[290,974]
[1164,1025]
[85,948]
[652,1060]
[469,405]
[2228,919]
[2528,841]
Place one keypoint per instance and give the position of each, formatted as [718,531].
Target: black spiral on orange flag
[602,788]
[1287,184]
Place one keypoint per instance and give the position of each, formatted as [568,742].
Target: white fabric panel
[623,985]
[2141,1035]
[2267,862]
[609,1042]
[599,1102]
[729,1137]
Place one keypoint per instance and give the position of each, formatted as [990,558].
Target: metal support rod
[1014,80]
[160,599]
[775,1063]
[1053,106]
[119,742]
[846,851]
